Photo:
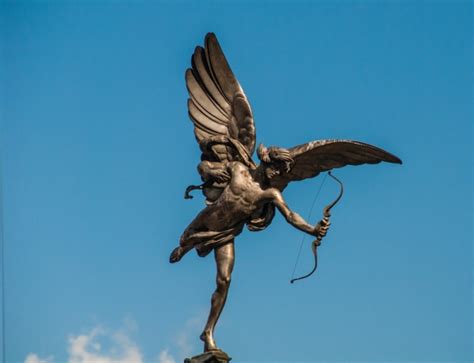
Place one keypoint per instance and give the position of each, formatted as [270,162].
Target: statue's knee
[183,240]
[223,282]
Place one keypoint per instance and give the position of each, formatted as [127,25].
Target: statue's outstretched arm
[320,229]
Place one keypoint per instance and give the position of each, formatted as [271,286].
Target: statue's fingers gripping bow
[326,215]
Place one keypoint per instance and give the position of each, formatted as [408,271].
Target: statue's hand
[220,175]
[321,228]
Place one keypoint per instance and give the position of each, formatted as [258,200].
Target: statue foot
[177,254]
[209,343]
[217,356]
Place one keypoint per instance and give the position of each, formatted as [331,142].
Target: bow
[317,241]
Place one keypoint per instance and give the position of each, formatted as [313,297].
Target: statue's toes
[176,255]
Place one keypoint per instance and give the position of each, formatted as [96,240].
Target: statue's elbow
[203,168]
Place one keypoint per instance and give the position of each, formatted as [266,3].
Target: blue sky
[97,149]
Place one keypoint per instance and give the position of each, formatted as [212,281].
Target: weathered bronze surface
[238,191]
[215,356]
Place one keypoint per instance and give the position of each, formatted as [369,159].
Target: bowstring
[309,218]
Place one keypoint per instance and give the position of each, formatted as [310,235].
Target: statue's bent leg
[189,238]
[224,256]
[185,244]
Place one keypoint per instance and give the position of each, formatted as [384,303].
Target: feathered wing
[217,104]
[318,156]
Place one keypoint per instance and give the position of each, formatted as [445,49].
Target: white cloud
[88,348]
[190,332]
[100,345]
[33,358]
[165,357]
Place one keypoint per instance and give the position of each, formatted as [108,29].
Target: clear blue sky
[97,149]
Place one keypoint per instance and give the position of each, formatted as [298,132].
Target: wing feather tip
[394,159]
[210,36]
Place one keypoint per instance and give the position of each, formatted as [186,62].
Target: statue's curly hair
[263,154]
[276,156]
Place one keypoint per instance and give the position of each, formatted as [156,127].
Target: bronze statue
[238,191]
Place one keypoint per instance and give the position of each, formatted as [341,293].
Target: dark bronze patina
[238,191]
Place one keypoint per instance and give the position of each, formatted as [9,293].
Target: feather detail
[315,157]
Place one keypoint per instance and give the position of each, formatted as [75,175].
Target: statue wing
[217,104]
[318,156]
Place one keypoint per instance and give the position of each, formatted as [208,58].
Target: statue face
[270,171]
[275,159]
[277,166]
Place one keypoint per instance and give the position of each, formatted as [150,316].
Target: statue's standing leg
[224,256]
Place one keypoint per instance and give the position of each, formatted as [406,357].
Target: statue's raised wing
[318,156]
[217,104]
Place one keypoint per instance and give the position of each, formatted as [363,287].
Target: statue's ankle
[205,335]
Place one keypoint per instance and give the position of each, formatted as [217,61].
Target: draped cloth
[205,241]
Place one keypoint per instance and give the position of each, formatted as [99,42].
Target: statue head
[275,160]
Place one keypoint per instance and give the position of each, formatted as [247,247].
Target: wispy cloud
[188,334]
[165,357]
[33,358]
[87,348]
[101,345]
[90,348]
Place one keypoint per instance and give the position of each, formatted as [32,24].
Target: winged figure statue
[239,192]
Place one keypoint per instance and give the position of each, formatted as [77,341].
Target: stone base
[216,356]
